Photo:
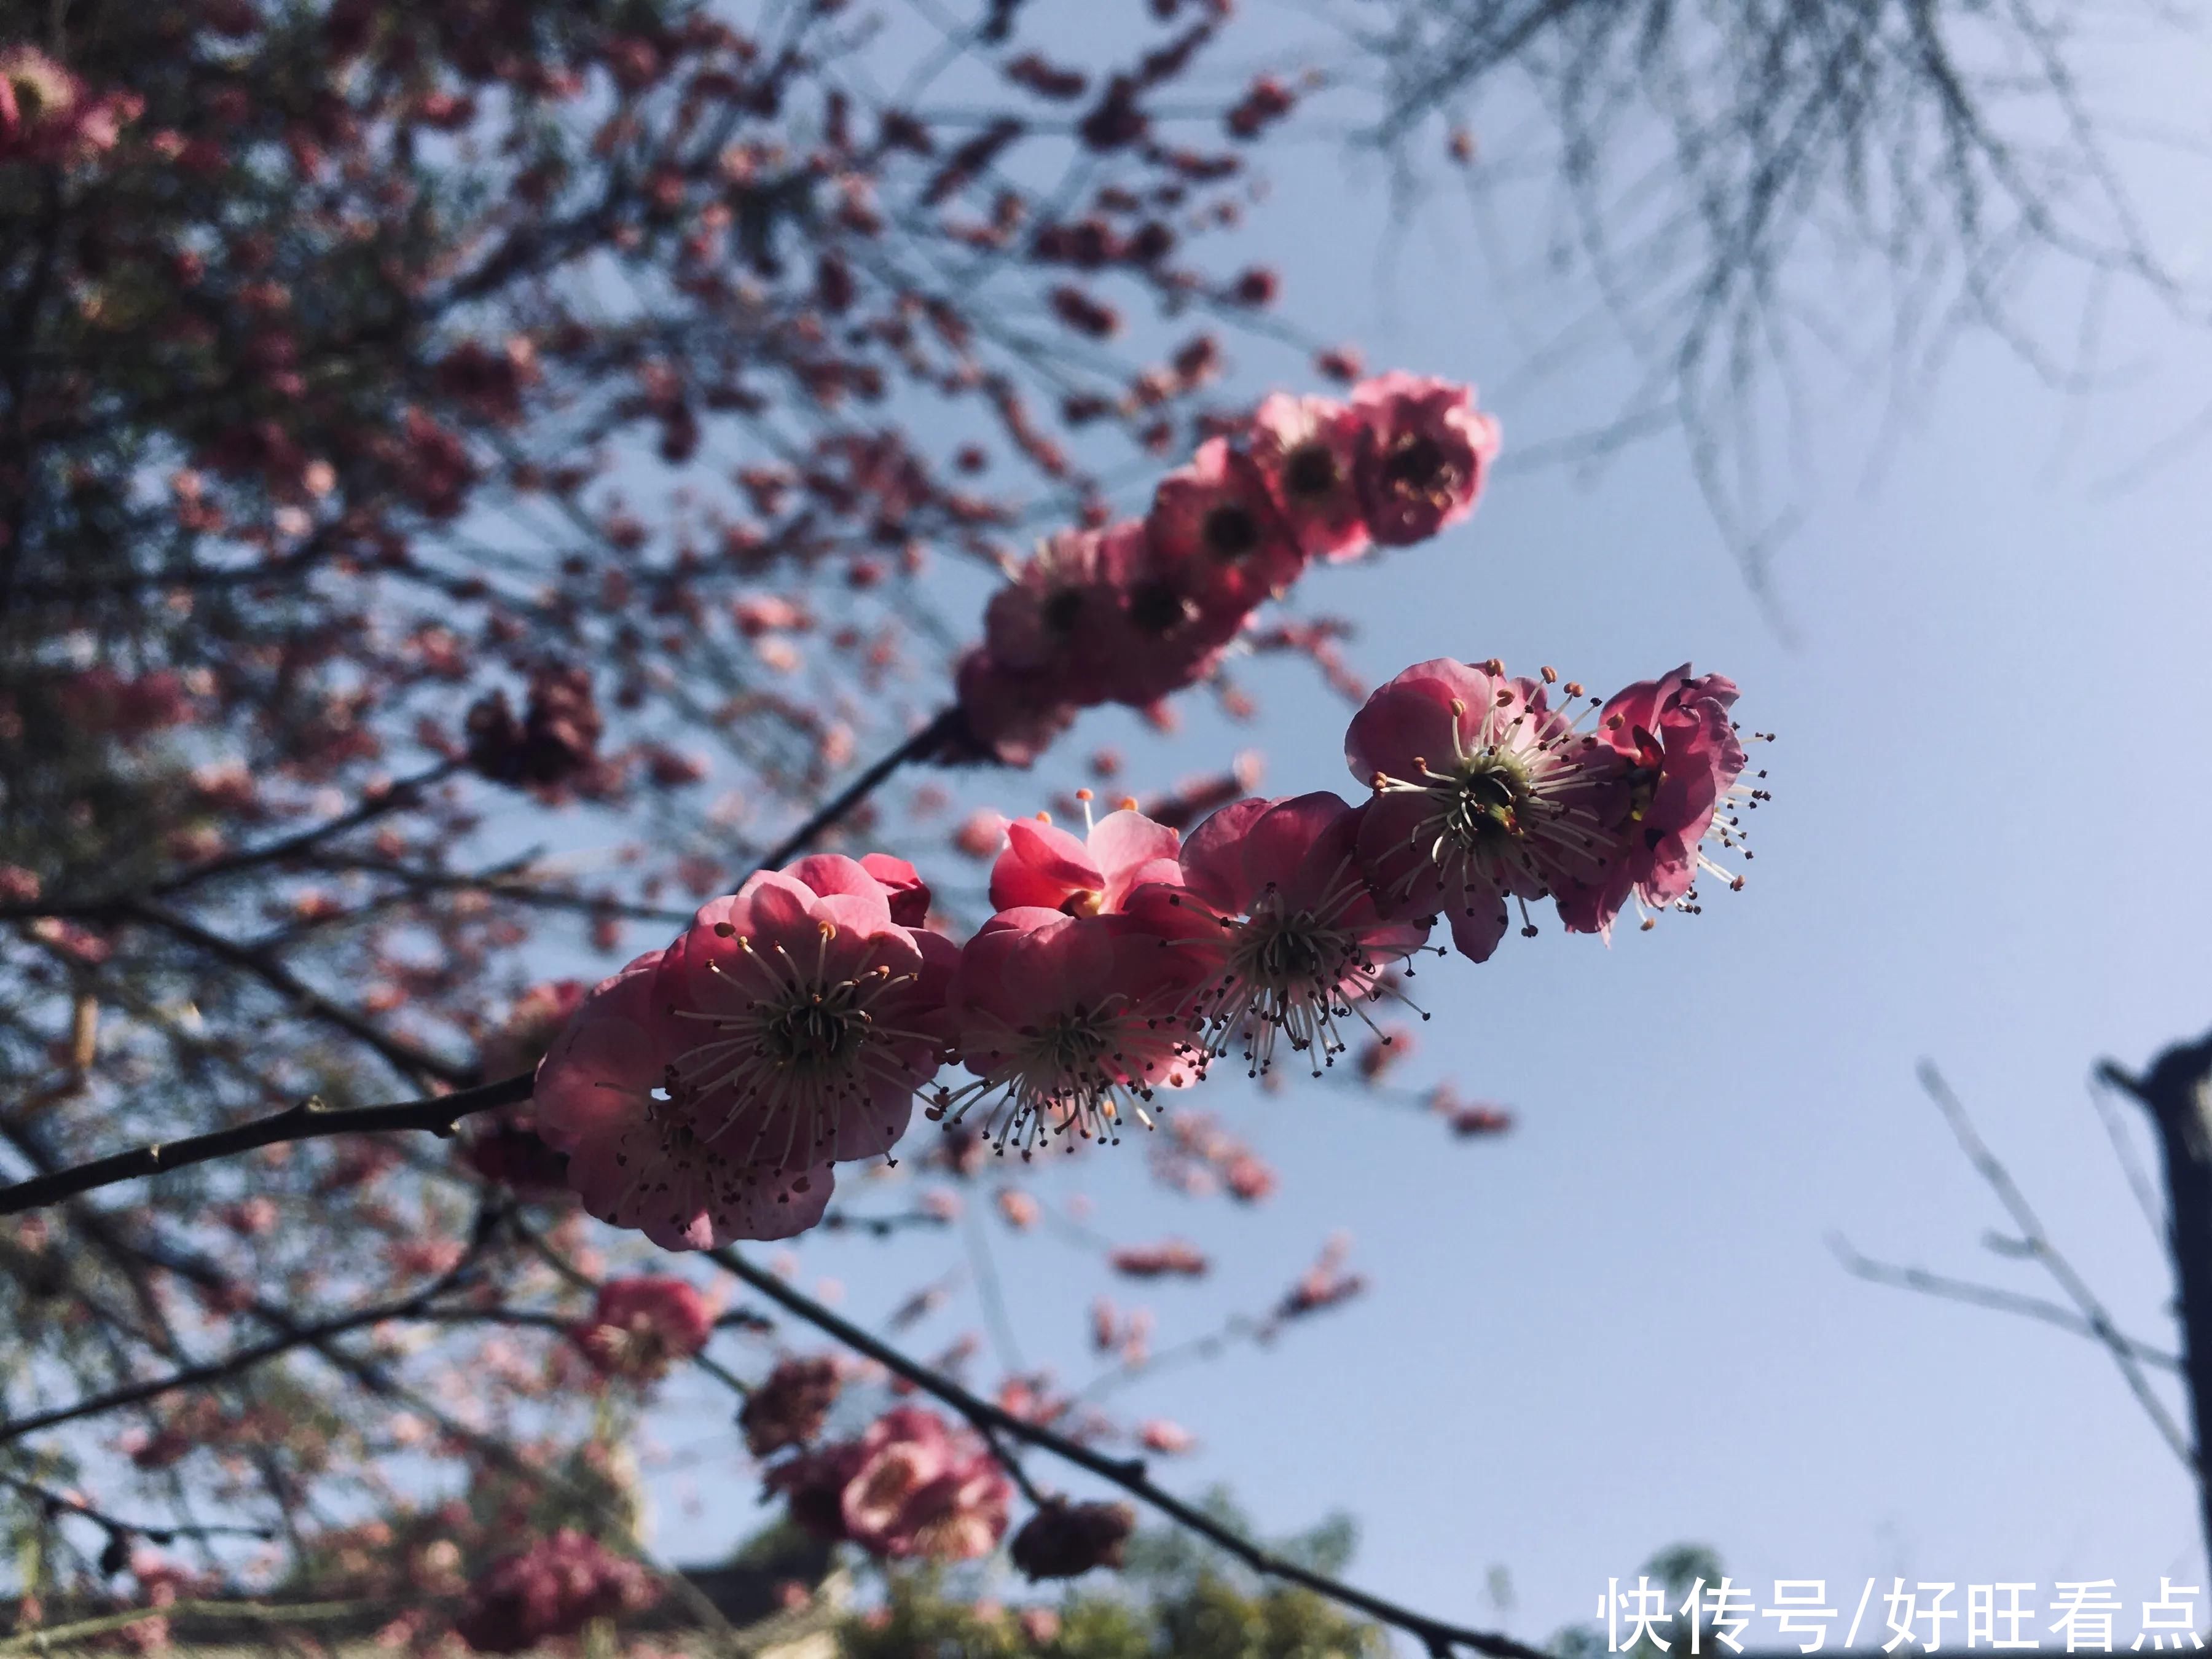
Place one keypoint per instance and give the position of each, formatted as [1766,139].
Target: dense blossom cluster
[48,114]
[787,1408]
[706,1092]
[1139,609]
[911,1485]
[1488,794]
[640,1326]
[554,1587]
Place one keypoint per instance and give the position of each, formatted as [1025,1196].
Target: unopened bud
[1066,1541]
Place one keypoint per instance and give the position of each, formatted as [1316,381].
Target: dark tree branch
[153,1532]
[1012,1463]
[1439,1637]
[2177,1094]
[311,1120]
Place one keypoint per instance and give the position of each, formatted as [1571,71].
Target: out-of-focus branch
[496,883]
[2035,1241]
[1439,1637]
[394,797]
[492,1216]
[84,1630]
[880,1226]
[231,1365]
[1991,1295]
[1237,1328]
[2123,1151]
[404,1057]
[311,1120]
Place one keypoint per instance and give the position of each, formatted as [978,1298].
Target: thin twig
[1989,1296]
[2062,1271]
[1238,1328]
[402,794]
[1012,1463]
[880,1226]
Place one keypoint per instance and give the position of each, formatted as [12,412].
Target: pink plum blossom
[1278,907]
[1045,867]
[1169,1439]
[640,1152]
[905,890]
[1483,793]
[1066,1541]
[808,1016]
[48,114]
[642,1326]
[1096,617]
[1683,760]
[1428,452]
[1009,716]
[921,1488]
[911,1486]
[1216,519]
[1069,1024]
[1173,1257]
[1174,622]
[812,1483]
[1308,450]
[1058,619]
[786,1408]
[553,1589]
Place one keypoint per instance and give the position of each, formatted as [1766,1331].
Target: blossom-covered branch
[708,1091]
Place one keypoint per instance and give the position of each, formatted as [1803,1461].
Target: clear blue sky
[1621,1327]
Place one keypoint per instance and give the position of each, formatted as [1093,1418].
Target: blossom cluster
[1136,610]
[706,1092]
[640,1326]
[48,114]
[552,1589]
[912,1485]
